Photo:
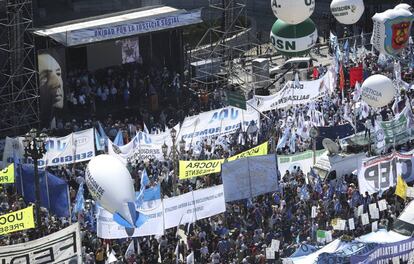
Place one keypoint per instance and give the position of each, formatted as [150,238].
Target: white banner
[179,210]
[291,95]
[380,173]
[120,28]
[75,147]
[303,160]
[63,247]
[222,121]
[142,146]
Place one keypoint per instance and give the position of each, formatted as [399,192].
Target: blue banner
[383,253]
[53,190]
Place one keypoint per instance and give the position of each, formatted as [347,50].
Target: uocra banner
[75,147]
[142,146]
[380,173]
[217,122]
[63,247]
[291,95]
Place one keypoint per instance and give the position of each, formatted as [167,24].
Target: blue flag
[144,179]
[119,139]
[53,190]
[153,193]
[79,201]
[304,193]
[346,50]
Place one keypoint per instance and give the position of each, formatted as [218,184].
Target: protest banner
[7,174]
[195,168]
[64,247]
[303,160]
[383,253]
[249,177]
[397,131]
[17,221]
[75,147]
[166,213]
[260,150]
[380,173]
[224,121]
[142,146]
[292,94]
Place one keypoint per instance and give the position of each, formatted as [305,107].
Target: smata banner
[195,168]
[7,174]
[17,221]
[303,160]
[142,146]
[398,130]
[63,247]
[167,213]
[217,122]
[380,173]
[292,94]
[75,147]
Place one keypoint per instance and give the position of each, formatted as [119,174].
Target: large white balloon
[347,12]
[293,11]
[391,30]
[377,90]
[110,184]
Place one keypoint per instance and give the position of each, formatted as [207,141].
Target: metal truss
[226,49]
[19,94]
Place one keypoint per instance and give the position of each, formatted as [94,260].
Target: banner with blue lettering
[142,146]
[75,147]
[384,253]
[224,121]
[144,23]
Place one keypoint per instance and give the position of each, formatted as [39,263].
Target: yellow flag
[401,189]
[7,174]
[256,151]
[17,221]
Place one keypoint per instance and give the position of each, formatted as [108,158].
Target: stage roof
[119,25]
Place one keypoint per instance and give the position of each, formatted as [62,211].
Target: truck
[330,166]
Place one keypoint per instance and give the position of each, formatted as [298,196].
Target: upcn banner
[62,247]
[75,147]
[380,173]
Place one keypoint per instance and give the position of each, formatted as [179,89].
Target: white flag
[130,250]
[111,257]
[190,258]
[379,136]
[139,251]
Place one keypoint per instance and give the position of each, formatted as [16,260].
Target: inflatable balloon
[391,30]
[377,90]
[111,185]
[347,12]
[293,40]
[404,6]
[293,11]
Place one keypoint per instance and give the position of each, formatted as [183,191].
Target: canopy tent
[382,236]
[118,25]
[405,222]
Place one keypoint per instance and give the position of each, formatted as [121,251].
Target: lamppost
[174,151]
[34,147]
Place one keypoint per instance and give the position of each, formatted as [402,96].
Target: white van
[340,164]
[300,64]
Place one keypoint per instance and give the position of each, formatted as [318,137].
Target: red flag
[356,74]
[341,78]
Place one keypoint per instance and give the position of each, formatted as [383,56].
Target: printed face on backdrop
[400,34]
[50,79]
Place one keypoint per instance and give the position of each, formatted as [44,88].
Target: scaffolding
[224,54]
[19,94]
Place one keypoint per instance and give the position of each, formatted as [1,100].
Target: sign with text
[17,221]
[62,247]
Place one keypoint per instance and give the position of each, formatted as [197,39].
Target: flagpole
[69,204]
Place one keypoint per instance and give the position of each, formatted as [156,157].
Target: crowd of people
[246,229]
